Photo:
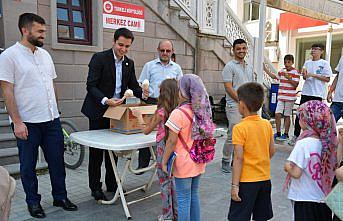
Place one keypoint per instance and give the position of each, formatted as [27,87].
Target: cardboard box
[122,119]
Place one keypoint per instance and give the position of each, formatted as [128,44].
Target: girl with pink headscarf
[312,162]
[192,120]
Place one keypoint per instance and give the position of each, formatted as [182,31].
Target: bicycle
[74,153]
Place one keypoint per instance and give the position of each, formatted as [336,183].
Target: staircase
[207,25]
[8,146]
[9,157]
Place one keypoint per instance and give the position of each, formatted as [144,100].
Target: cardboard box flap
[150,109]
[115,112]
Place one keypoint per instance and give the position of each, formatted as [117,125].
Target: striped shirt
[287,92]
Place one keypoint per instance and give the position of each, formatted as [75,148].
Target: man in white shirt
[26,76]
[157,71]
[316,73]
[337,100]
[160,69]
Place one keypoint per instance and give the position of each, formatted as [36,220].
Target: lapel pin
[126,64]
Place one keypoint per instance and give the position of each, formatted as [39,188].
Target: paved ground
[215,189]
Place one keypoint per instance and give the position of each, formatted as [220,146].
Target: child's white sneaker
[292,141]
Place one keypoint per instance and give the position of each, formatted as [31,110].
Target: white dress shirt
[156,72]
[119,77]
[32,75]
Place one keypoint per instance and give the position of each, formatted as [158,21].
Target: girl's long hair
[168,100]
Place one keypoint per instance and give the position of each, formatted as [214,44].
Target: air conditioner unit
[272,31]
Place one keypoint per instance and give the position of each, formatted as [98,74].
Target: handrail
[248,37]
[186,10]
[238,22]
[234,28]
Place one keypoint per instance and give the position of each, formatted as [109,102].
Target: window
[251,11]
[74,21]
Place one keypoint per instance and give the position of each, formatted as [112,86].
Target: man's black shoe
[65,204]
[36,211]
[98,195]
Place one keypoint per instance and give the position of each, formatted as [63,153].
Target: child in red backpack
[253,148]
[167,102]
[195,103]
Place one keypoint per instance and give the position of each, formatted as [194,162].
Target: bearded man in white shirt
[26,77]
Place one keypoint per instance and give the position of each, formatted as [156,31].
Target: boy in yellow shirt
[253,148]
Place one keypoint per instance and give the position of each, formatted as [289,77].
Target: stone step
[169,13]
[7,140]
[9,156]
[5,126]
[14,170]
[174,5]
[3,114]
[2,103]
[183,15]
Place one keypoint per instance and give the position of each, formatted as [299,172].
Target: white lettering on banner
[127,10]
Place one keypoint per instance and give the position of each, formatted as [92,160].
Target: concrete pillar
[260,44]
[328,42]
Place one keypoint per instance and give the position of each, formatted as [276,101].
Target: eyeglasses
[317,49]
[165,50]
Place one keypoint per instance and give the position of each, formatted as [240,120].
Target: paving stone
[214,191]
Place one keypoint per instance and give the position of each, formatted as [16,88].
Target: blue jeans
[49,136]
[337,109]
[187,193]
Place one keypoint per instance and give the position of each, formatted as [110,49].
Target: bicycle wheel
[73,152]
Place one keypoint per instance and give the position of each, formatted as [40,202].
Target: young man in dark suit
[110,74]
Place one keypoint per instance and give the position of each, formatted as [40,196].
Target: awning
[330,13]
[290,21]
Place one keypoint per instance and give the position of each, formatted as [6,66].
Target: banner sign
[123,15]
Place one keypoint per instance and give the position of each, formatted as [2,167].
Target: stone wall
[71,66]
[208,57]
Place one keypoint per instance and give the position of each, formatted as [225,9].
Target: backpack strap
[187,115]
[179,135]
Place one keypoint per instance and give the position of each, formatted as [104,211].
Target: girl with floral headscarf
[312,162]
[192,120]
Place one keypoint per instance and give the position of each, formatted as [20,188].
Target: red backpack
[202,151]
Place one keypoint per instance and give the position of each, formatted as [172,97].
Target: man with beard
[157,71]
[235,73]
[26,77]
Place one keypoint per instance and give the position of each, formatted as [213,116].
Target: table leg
[148,185]
[120,187]
[122,178]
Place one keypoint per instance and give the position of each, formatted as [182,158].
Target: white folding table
[123,146]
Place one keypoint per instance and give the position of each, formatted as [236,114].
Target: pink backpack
[202,151]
